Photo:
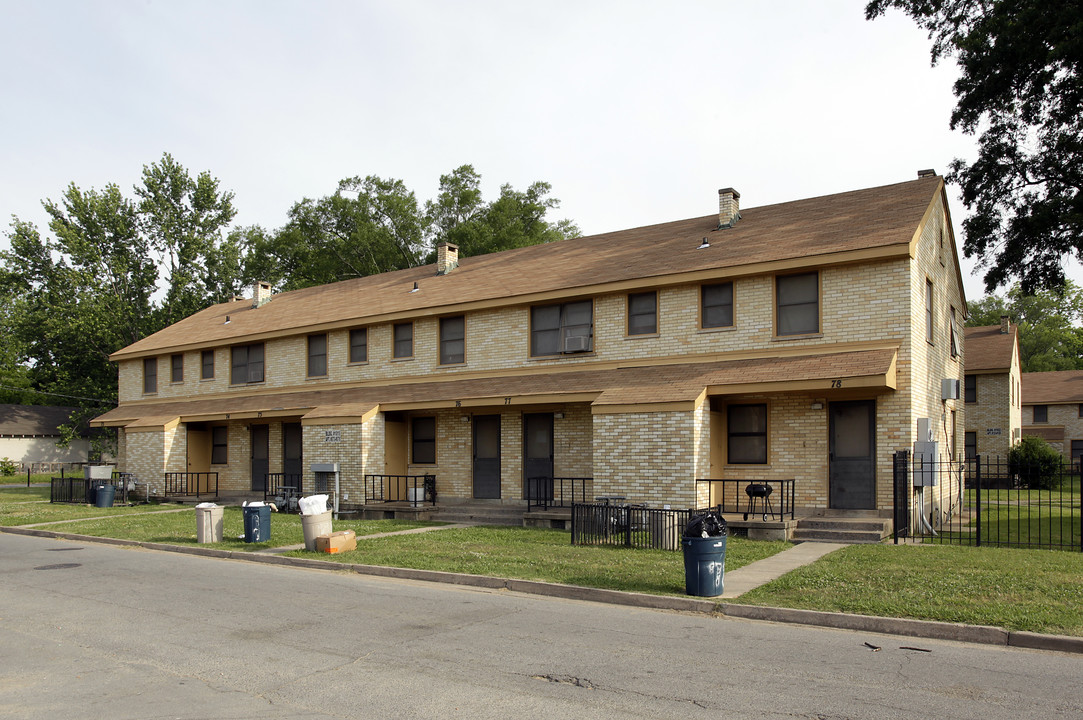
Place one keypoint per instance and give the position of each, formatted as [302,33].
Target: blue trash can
[704,565]
[257,524]
[104,495]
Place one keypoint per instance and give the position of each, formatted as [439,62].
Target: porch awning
[606,389]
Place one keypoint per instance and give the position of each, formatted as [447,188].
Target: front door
[292,461]
[852,484]
[261,453]
[538,455]
[487,457]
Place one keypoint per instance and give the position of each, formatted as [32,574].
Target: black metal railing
[987,502]
[634,526]
[750,498]
[414,489]
[557,492]
[194,484]
[285,490]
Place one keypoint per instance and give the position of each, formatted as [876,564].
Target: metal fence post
[977,499]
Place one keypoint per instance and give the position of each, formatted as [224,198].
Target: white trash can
[209,524]
[315,525]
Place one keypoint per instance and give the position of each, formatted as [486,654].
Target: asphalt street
[96,631]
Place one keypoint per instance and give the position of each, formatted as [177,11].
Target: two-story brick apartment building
[801,340]
[1053,410]
[992,390]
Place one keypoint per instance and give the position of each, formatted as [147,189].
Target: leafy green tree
[183,219]
[372,225]
[1050,336]
[1021,88]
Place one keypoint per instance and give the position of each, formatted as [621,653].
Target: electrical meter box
[926,459]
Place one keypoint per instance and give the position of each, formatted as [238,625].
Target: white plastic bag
[203,506]
[313,504]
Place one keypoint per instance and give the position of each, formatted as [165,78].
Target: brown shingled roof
[812,230]
[987,348]
[633,385]
[33,420]
[1051,388]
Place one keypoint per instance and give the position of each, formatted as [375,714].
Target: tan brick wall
[994,418]
[646,457]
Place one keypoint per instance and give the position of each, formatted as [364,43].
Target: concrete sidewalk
[740,581]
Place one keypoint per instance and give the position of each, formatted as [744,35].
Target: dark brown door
[538,455]
[261,436]
[852,484]
[487,456]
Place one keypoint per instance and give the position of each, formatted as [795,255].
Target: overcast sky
[636,112]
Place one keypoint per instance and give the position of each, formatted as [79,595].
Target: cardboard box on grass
[337,542]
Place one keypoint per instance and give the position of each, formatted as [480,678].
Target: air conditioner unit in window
[576,343]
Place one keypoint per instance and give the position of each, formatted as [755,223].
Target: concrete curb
[929,629]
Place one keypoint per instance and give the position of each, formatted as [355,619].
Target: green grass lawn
[180,529]
[27,506]
[1036,590]
[546,555]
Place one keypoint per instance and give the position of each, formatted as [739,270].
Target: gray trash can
[257,524]
[704,565]
[104,495]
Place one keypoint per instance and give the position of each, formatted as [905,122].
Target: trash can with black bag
[704,546]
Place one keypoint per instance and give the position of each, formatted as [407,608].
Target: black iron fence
[557,492]
[987,502]
[414,489]
[750,498]
[635,526]
[82,490]
[194,484]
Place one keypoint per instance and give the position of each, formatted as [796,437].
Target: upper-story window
[928,310]
[359,345]
[206,365]
[1041,413]
[150,375]
[956,346]
[716,305]
[1081,410]
[562,328]
[797,299]
[452,340]
[247,364]
[176,368]
[317,355]
[403,340]
[970,388]
[643,313]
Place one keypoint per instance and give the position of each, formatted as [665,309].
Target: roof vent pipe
[729,211]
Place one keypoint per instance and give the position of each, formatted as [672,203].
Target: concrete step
[842,529]
[837,536]
[481,513]
[881,525]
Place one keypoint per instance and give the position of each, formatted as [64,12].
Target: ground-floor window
[219,445]
[746,434]
[970,444]
[423,440]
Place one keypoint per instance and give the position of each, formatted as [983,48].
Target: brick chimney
[926,173]
[447,258]
[1005,324]
[729,210]
[261,294]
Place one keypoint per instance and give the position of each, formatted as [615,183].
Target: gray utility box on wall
[926,455]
